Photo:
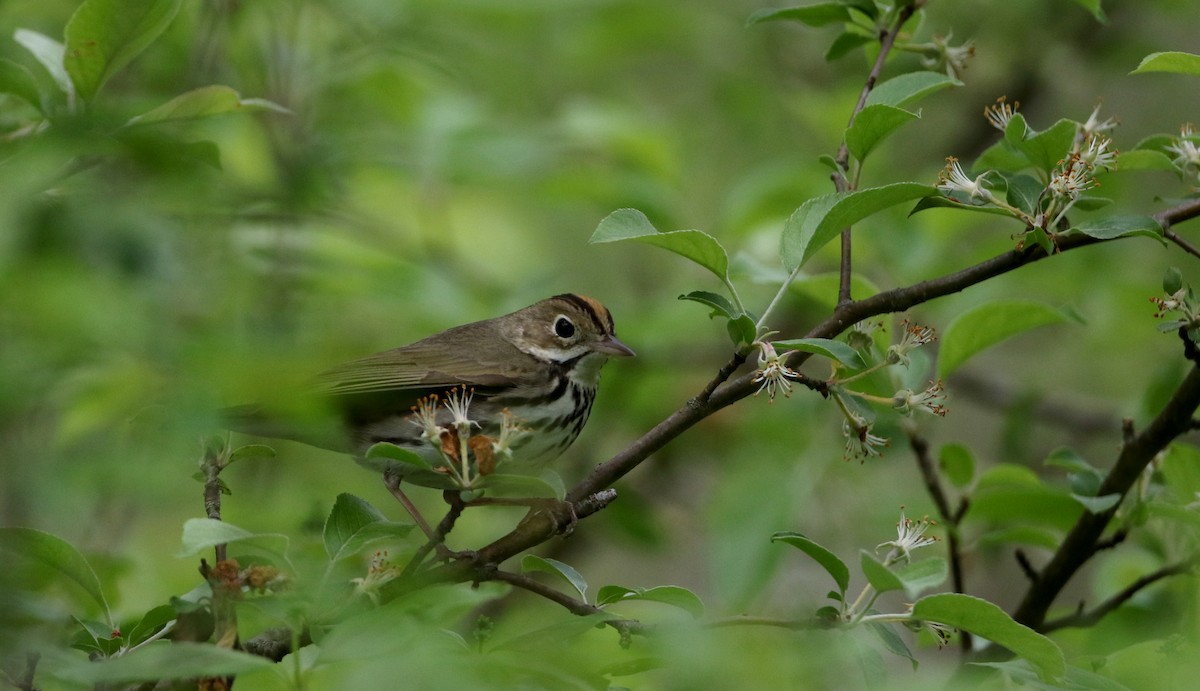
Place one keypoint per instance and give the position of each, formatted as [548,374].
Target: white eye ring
[563,327]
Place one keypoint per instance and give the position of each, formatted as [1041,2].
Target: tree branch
[572,605]
[1084,619]
[1083,539]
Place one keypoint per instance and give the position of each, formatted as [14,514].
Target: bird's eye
[563,327]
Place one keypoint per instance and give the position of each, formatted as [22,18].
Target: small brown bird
[541,364]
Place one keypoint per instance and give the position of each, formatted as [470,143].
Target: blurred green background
[447,161]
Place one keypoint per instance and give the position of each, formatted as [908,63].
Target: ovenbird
[538,366]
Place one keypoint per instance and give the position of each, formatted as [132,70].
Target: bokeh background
[446,161]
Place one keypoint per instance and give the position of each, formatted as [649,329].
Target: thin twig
[1084,619]
[933,485]
[1178,240]
[572,605]
[1026,565]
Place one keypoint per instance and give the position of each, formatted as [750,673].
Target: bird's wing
[426,365]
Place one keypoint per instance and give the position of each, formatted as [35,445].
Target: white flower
[379,571]
[1098,155]
[425,417]
[914,337]
[953,179]
[953,58]
[930,400]
[1000,113]
[1187,154]
[773,375]
[910,535]
[1095,126]
[510,431]
[458,402]
[1072,179]
[860,443]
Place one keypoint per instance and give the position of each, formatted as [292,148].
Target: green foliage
[985,325]
[1172,61]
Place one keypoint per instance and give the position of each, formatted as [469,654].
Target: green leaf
[1144,159]
[59,555]
[103,36]
[631,224]
[986,620]
[834,350]
[907,88]
[1093,6]
[742,330]
[18,81]
[1122,226]
[892,641]
[844,43]
[986,325]
[957,463]
[940,202]
[1172,61]
[828,560]
[719,303]
[1172,281]
[150,623]
[879,576]
[391,452]
[414,469]
[667,594]
[348,515]
[205,533]
[1046,148]
[251,451]
[1097,504]
[532,563]
[922,575]
[819,14]
[1024,192]
[1068,459]
[872,125]
[159,660]
[821,219]
[203,102]
[49,53]
[525,486]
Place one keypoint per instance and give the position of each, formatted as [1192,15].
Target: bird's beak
[610,345]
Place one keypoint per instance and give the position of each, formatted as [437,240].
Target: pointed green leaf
[940,202]
[1097,504]
[986,620]
[59,555]
[666,594]
[1046,148]
[834,350]
[153,662]
[1173,61]
[252,451]
[819,14]
[986,325]
[348,515]
[203,102]
[821,219]
[957,464]
[524,486]
[1122,226]
[103,36]
[844,43]
[1093,6]
[879,576]
[892,641]
[1172,280]
[920,576]
[532,563]
[836,567]
[872,125]
[1024,192]
[631,224]
[18,81]
[1143,159]
[742,330]
[719,303]
[907,88]
[205,533]
[49,53]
